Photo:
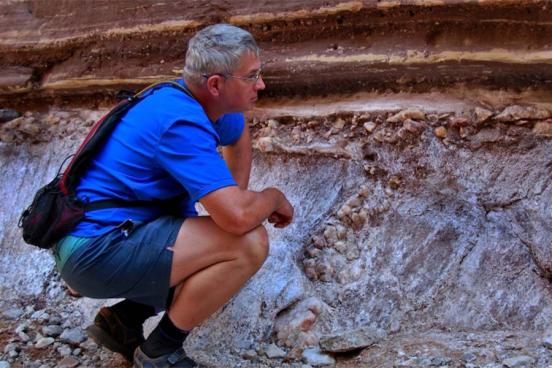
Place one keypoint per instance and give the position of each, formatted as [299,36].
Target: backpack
[55,208]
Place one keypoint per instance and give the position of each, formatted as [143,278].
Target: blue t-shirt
[165,146]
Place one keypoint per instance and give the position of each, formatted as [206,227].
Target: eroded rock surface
[398,230]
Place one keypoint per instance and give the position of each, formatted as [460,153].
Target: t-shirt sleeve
[230,128]
[188,152]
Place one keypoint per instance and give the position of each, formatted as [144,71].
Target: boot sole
[102,338]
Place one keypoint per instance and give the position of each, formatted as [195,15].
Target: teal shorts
[132,261]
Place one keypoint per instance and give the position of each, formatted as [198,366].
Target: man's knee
[255,246]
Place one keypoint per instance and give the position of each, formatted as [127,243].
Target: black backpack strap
[120,203]
[113,203]
[97,137]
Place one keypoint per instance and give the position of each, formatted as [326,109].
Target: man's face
[242,86]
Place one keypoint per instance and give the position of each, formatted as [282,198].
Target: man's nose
[260,85]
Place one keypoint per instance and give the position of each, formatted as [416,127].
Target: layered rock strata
[83,53]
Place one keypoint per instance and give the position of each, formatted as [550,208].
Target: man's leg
[209,266]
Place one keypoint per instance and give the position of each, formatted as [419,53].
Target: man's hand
[238,211]
[283,216]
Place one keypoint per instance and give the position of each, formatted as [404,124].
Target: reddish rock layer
[64,52]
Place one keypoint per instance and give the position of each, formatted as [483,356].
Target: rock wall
[61,52]
[413,137]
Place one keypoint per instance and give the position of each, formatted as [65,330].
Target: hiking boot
[176,359]
[110,332]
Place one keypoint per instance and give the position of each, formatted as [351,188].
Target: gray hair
[217,49]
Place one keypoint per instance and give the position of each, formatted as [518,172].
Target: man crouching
[163,255]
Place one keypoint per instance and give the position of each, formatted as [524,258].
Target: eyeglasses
[249,79]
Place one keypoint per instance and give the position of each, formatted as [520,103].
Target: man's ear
[214,84]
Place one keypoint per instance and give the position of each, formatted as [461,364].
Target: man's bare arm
[238,158]
[239,211]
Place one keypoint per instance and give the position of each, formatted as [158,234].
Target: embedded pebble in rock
[73,336]
[324,270]
[325,274]
[466,131]
[353,253]
[482,115]
[310,272]
[339,124]
[265,144]
[272,351]
[487,135]
[301,321]
[64,350]
[21,327]
[309,262]
[296,134]
[440,132]
[10,347]
[354,202]
[266,132]
[459,121]
[52,330]
[52,119]
[364,190]
[330,233]
[13,313]
[516,112]
[341,232]
[548,341]
[43,342]
[30,128]
[249,354]
[543,128]
[67,362]
[518,362]
[313,252]
[340,246]
[313,123]
[54,320]
[344,211]
[89,345]
[413,127]
[350,340]
[371,170]
[515,131]
[469,357]
[359,218]
[23,336]
[394,182]
[40,316]
[273,123]
[414,114]
[319,242]
[316,358]
[369,126]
